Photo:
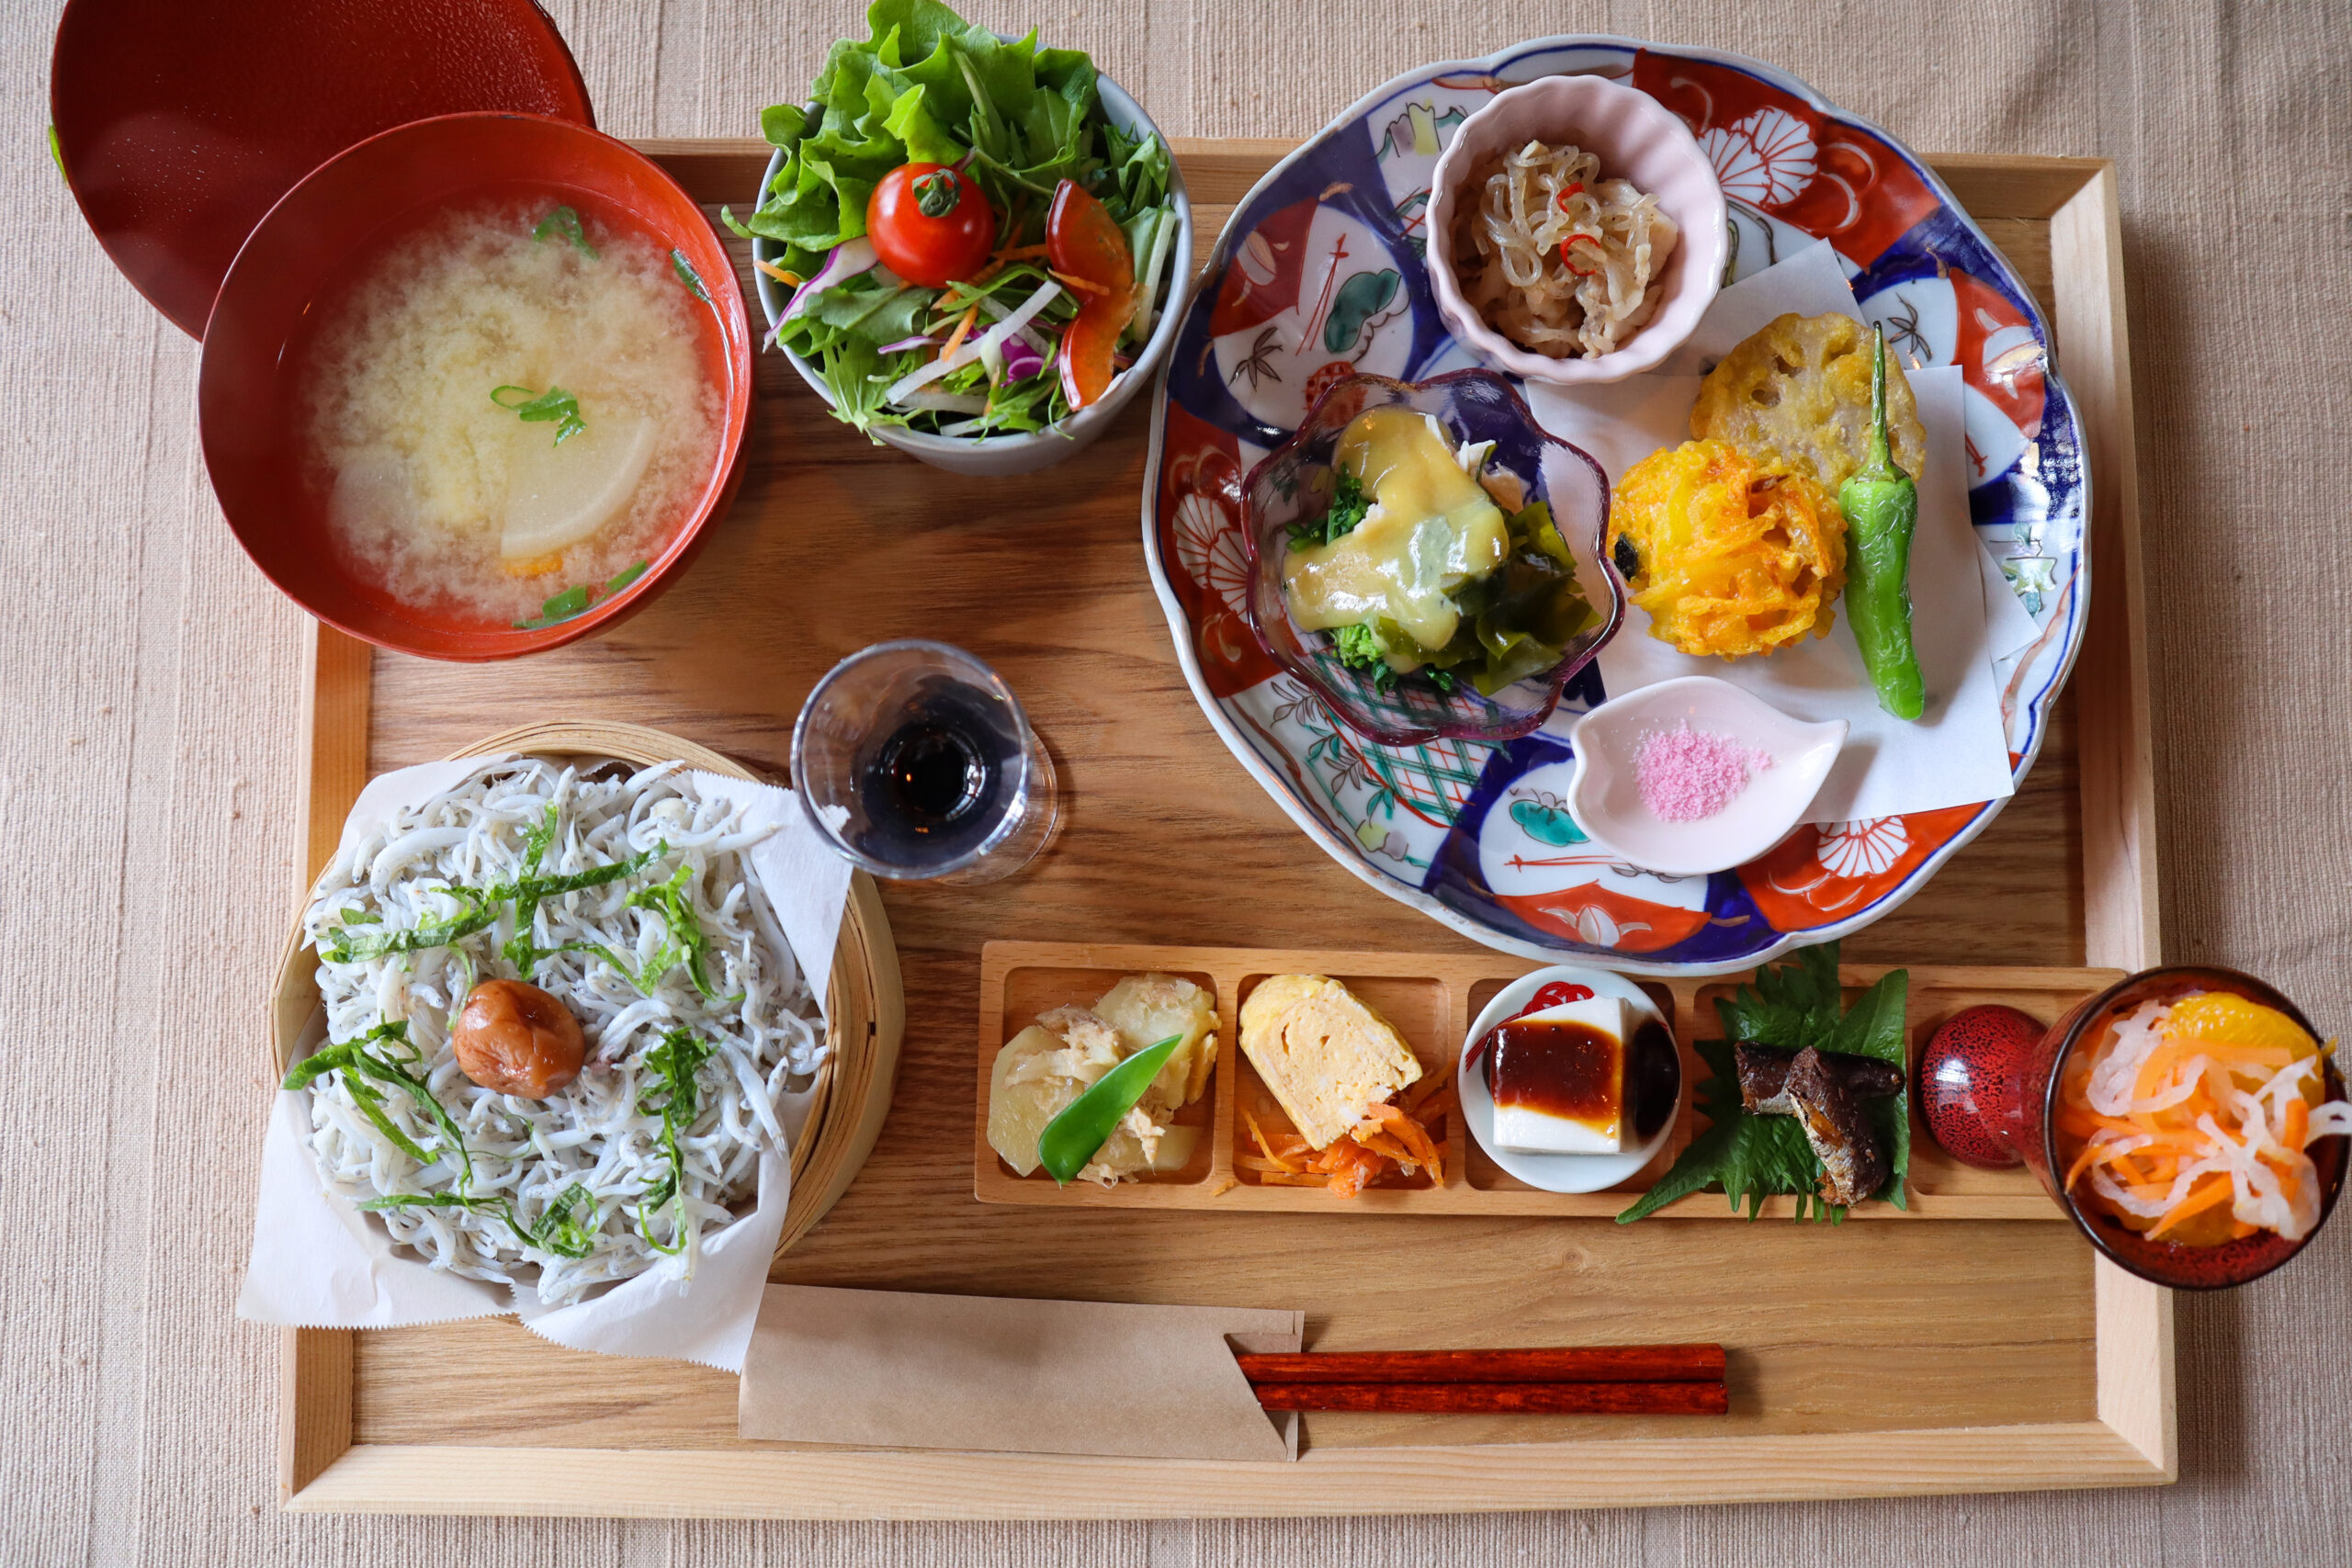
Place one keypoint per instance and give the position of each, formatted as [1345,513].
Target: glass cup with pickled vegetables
[2190,1120]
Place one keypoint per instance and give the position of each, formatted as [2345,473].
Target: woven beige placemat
[147,790]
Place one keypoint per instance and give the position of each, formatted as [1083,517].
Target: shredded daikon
[2167,1132]
[1554,258]
[989,342]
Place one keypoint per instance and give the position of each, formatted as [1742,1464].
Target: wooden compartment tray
[1965,1355]
[1432,998]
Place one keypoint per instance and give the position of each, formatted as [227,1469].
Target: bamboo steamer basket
[864,1006]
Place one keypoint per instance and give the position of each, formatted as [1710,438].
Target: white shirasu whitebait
[761,1028]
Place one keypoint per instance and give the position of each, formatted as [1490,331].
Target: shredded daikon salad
[1556,258]
[628,897]
[2190,1105]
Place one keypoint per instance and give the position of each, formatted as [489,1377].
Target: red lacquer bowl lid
[180,122]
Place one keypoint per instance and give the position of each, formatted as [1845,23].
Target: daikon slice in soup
[508,403]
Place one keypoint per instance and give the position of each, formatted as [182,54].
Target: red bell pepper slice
[1083,242]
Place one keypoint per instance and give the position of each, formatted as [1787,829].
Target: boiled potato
[1146,1009]
[1021,1105]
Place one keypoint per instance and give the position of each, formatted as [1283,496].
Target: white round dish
[1558,1173]
[1636,138]
[999,455]
[1605,797]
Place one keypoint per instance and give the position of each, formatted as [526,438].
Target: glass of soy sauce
[915,762]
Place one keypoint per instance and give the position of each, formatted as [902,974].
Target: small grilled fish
[1764,1075]
[1853,1163]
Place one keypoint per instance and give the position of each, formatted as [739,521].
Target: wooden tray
[1432,998]
[1866,1358]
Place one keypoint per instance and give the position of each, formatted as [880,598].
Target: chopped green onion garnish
[553,406]
[564,222]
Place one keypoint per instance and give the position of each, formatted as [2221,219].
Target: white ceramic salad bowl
[997,455]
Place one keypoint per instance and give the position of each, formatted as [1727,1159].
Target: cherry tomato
[1083,242]
[930,224]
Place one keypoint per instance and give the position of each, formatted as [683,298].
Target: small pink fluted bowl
[1636,138]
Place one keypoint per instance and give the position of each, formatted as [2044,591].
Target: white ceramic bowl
[1558,1173]
[1605,797]
[1636,138]
[1002,455]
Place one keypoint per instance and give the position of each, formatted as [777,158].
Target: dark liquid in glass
[941,779]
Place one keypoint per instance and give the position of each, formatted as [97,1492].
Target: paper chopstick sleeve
[881,1369]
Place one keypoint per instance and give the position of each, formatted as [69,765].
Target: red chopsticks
[1600,1380]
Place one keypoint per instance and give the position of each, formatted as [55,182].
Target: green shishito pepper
[1882,508]
[1087,1123]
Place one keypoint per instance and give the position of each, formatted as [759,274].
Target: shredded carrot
[1021,253]
[1065,278]
[2201,1197]
[1260,1134]
[956,338]
[779,274]
[2208,1048]
[1426,1089]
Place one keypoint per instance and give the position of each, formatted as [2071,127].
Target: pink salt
[1686,774]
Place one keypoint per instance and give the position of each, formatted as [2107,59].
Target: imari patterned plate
[1319,276]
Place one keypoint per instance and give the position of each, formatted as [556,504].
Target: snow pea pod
[1882,508]
[1071,1139]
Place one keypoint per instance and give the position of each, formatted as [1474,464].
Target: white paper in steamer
[320,1262]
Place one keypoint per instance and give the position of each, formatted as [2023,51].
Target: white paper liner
[1964,619]
[319,1262]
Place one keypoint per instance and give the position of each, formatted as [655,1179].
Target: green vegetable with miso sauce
[1882,508]
[1415,569]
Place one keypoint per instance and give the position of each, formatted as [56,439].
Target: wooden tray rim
[2133,1440]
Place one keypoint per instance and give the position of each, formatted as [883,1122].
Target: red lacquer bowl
[1988,1087]
[301,256]
[180,122]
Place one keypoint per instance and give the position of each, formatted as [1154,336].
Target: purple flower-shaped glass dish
[1295,483]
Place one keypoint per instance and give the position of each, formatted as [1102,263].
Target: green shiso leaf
[1792,1005]
[390,1064]
[676,1098]
[567,1228]
[346,945]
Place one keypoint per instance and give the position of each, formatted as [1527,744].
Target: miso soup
[508,403]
